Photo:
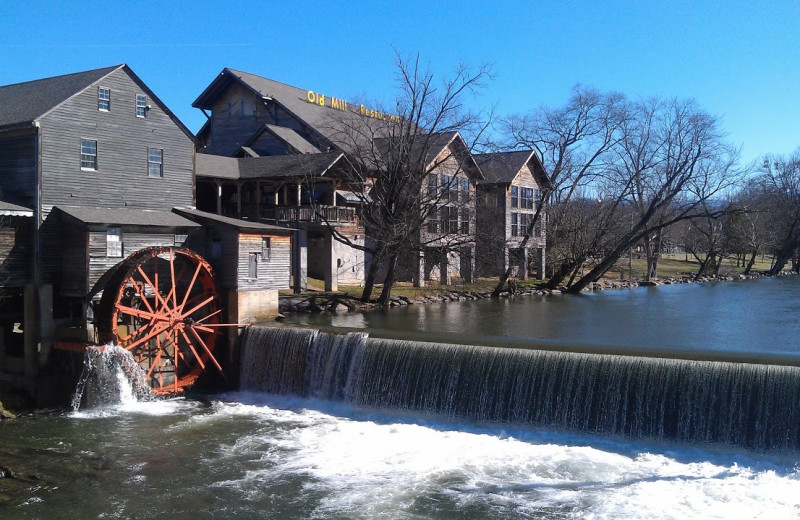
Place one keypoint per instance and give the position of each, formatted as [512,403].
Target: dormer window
[103,99]
[141,105]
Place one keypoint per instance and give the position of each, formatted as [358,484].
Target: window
[514,224]
[514,196]
[448,217]
[155,162]
[464,189]
[141,105]
[252,266]
[88,154]
[216,249]
[103,99]
[433,185]
[464,229]
[266,248]
[526,198]
[432,224]
[114,242]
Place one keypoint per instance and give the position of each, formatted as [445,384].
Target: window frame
[141,105]
[252,266]
[103,102]
[266,248]
[89,161]
[151,163]
[115,251]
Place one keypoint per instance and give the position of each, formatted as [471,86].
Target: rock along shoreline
[341,303]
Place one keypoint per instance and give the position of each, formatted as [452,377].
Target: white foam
[367,468]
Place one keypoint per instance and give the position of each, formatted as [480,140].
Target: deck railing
[318,214]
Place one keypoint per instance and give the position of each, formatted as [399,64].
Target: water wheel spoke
[164,304]
[208,351]
[157,329]
[190,287]
[191,347]
[137,313]
[202,320]
[198,306]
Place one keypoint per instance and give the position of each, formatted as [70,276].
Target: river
[253,454]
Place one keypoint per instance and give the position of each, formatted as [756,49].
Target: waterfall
[110,376]
[743,404]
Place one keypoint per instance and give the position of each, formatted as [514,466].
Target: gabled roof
[242,225]
[428,148]
[503,167]
[23,103]
[325,121]
[127,217]
[26,102]
[292,139]
[270,167]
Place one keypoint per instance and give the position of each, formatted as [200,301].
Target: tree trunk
[388,281]
[369,280]
[751,262]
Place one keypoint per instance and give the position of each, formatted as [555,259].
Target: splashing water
[110,376]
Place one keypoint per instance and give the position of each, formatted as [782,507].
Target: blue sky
[740,60]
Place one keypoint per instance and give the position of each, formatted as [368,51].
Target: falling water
[110,376]
[743,404]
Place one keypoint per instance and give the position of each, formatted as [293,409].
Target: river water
[262,455]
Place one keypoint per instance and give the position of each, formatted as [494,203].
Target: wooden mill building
[91,165]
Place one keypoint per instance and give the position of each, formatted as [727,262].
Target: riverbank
[343,302]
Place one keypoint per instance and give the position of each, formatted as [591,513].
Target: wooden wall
[15,251]
[18,168]
[121,179]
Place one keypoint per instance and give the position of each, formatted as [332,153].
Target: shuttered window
[252,266]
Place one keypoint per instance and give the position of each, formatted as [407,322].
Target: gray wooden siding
[75,261]
[121,179]
[18,168]
[15,251]
[272,273]
[123,139]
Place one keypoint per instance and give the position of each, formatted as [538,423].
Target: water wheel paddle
[162,305]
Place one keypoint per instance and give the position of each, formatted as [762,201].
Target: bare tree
[780,181]
[572,142]
[394,152]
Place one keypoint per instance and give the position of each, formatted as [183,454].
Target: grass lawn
[669,266]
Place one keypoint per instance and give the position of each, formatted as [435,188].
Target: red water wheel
[162,305]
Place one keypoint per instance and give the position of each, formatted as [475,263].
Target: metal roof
[269,167]
[127,217]
[14,210]
[245,225]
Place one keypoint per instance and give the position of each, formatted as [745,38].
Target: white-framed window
[103,99]
[141,105]
[266,248]
[155,162]
[88,154]
[114,242]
